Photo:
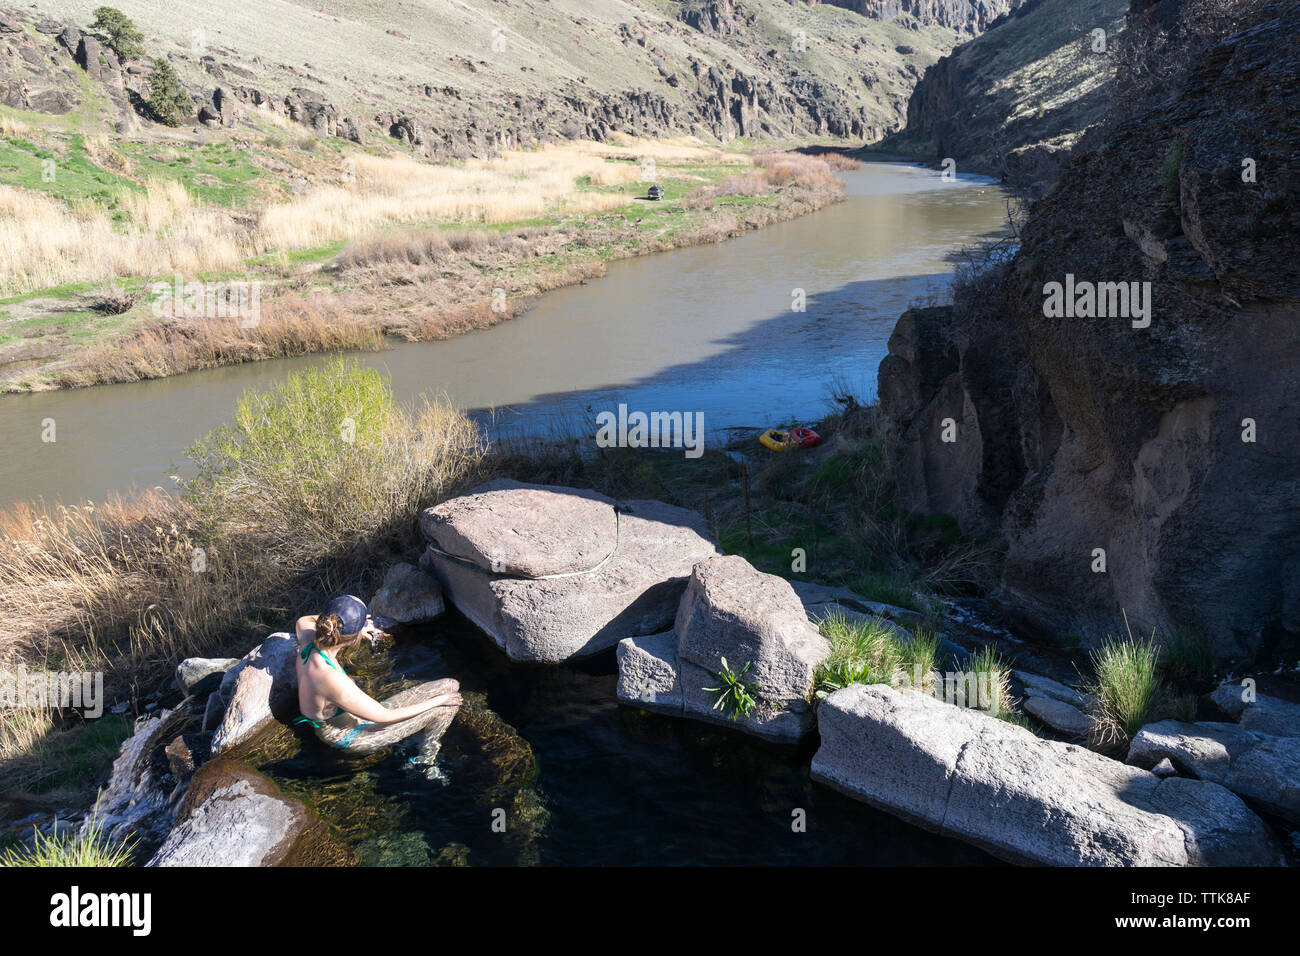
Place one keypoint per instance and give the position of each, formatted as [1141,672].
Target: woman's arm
[360,704]
[305,629]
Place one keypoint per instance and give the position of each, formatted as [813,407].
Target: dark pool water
[580,780]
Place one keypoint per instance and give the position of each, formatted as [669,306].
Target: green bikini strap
[306,653]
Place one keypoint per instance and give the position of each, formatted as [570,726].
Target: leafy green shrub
[326,459]
[120,34]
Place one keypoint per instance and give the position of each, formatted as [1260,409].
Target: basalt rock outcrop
[965,16]
[1144,463]
[1014,100]
[711,71]
[551,573]
[732,617]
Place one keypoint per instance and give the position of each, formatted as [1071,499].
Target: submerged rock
[734,612]
[622,570]
[968,775]
[235,816]
[408,595]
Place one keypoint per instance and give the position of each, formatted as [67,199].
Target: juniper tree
[167,97]
[120,34]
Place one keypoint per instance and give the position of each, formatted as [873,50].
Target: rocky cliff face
[964,16]
[1013,101]
[473,78]
[1147,468]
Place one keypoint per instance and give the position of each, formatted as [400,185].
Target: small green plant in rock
[735,697]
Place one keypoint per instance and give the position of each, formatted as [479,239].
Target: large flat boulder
[259,691]
[966,774]
[730,611]
[235,816]
[524,530]
[624,585]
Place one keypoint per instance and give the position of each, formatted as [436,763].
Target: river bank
[736,330]
[401,282]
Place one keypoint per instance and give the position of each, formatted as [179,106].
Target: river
[710,329]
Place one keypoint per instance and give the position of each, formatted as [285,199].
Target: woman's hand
[447,700]
[372,630]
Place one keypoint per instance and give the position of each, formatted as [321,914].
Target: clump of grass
[112,299]
[918,658]
[1187,656]
[87,847]
[1126,690]
[993,684]
[862,652]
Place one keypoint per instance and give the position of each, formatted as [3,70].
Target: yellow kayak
[776,440]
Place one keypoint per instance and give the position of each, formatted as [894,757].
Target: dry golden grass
[101,153]
[11,127]
[44,242]
[388,190]
[682,149]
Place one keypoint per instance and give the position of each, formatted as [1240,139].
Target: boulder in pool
[730,611]
[551,573]
[258,693]
[966,774]
[234,816]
